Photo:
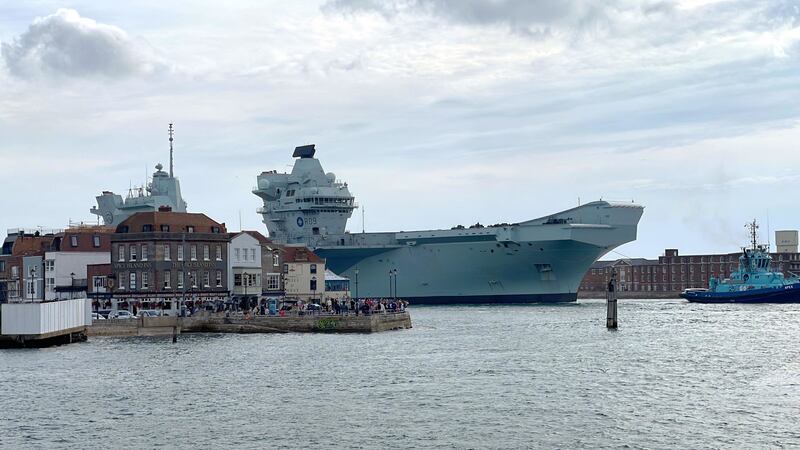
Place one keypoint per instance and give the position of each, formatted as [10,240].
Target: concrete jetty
[214,323]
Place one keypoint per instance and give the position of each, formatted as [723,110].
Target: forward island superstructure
[540,260]
[163,190]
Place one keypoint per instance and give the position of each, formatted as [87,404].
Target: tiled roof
[177,222]
[293,253]
[259,237]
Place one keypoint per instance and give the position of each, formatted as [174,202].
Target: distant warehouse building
[671,273]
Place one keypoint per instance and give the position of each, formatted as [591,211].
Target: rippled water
[673,375]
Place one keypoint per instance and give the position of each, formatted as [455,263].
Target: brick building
[672,273]
[22,264]
[161,259]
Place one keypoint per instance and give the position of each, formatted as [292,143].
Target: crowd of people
[347,306]
[255,307]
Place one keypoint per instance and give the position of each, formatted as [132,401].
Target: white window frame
[132,281]
[121,253]
[219,253]
[181,251]
[219,278]
[167,279]
[206,252]
[145,280]
[167,252]
[145,252]
[132,255]
[193,252]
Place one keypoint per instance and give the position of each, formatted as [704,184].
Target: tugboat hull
[784,294]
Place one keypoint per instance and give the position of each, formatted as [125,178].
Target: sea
[673,375]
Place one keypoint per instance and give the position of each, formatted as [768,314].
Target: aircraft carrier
[539,260]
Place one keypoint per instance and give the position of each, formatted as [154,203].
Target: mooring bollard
[174,334]
[611,304]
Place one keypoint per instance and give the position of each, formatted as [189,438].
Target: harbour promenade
[205,322]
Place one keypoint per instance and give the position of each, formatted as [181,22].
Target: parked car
[149,313]
[121,315]
[98,316]
[104,313]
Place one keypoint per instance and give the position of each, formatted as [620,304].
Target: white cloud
[65,44]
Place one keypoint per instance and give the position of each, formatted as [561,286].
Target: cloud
[65,44]
[540,18]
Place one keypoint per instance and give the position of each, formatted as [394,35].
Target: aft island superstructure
[540,260]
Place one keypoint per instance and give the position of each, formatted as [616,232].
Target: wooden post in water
[611,303]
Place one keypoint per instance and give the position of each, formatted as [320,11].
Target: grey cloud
[65,44]
[530,17]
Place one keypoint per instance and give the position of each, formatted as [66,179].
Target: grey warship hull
[540,260]
[532,262]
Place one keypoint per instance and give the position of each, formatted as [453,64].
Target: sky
[436,112]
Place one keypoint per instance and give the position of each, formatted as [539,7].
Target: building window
[180,279]
[123,279]
[2,266]
[206,253]
[215,230]
[121,255]
[285,268]
[99,283]
[313,268]
[96,241]
[167,279]
[237,279]
[193,252]
[165,228]
[147,228]
[219,253]
[190,229]
[194,278]
[206,279]
[144,252]
[167,256]
[180,252]
[133,253]
[252,254]
[73,240]
[219,278]
[145,280]
[49,265]
[132,284]
[313,284]
[236,254]
[49,284]
[273,281]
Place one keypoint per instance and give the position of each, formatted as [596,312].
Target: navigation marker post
[611,303]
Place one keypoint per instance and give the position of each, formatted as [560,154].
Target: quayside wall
[323,323]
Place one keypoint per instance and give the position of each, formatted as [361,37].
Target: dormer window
[73,240]
[147,228]
[165,228]
[215,230]
[190,229]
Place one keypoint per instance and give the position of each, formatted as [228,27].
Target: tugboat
[754,282]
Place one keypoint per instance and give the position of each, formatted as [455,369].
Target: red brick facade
[672,273]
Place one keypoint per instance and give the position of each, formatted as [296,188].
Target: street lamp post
[356,284]
[394,272]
